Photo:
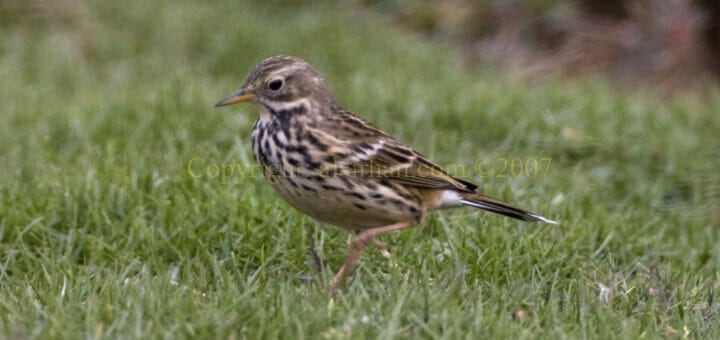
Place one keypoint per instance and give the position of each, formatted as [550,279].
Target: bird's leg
[357,246]
[383,246]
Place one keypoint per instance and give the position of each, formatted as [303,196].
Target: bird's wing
[369,152]
[387,158]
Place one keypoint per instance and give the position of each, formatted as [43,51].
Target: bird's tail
[493,205]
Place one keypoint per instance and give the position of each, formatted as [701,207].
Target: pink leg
[383,246]
[357,246]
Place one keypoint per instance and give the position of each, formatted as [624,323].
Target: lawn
[109,229]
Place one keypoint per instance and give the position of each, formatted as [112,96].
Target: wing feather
[377,154]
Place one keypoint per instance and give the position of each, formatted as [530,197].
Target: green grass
[103,232]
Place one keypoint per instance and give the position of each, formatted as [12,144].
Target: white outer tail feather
[494,209]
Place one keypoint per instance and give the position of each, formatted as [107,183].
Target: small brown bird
[337,168]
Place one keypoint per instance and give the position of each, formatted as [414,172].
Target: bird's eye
[275,84]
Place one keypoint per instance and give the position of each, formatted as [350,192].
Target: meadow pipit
[337,168]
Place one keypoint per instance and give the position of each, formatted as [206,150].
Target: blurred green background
[105,233]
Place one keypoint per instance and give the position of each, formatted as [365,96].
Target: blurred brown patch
[668,45]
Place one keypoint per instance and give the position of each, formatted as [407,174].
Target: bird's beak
[239,97]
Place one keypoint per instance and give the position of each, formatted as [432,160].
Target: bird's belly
[353,209]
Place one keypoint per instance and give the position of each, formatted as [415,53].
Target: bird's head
[280,83]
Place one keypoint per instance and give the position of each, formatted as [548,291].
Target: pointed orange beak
[239,97]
